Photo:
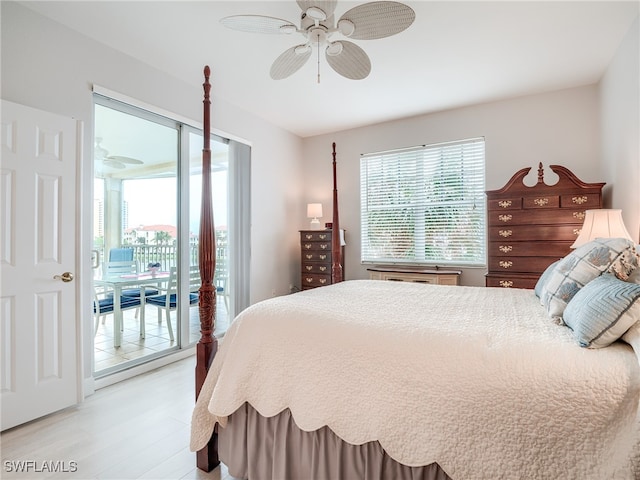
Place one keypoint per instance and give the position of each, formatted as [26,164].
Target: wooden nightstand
[415,274]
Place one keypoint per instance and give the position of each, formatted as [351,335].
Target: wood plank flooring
[138,428]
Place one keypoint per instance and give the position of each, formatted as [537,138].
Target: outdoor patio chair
[168,300]
[104,305]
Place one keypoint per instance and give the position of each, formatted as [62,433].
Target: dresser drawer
[529,249]
[320,236]
[313,267]
[519,264]
[315,246]
[541,201]
[585,200]
[316,256]
[511,281]
[514,203]
[537,217]
[315,280]
[534,233]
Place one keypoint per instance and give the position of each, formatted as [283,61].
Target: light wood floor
[138,428]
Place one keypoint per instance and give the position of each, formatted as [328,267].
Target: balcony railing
[167,256]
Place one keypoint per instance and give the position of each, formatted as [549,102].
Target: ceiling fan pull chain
[318,37]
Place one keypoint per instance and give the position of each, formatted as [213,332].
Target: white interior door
[38,240]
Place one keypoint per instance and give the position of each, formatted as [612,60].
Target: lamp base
[315,224]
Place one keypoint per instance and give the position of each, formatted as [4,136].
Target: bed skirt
[256,447]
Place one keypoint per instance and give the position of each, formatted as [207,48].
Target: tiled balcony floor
[156,338]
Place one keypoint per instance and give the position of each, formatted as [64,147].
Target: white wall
[558,128]
[620,120]
[50,67]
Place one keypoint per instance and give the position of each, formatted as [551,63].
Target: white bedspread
[479,380]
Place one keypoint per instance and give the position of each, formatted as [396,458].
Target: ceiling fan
[368,21]
[119,162]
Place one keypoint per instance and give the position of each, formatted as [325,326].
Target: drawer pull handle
[505,233]
[309,267]
[506,263]
[505,203]
[323,268]
[506,283]
[323,281]
[579,200]
[578,215]
[505,218]
[323,236]
[309,256]
[309,280]
[309,236]
[576,231]
[323,246]
[323,257]
[307,246]
[541,202]
[505,248]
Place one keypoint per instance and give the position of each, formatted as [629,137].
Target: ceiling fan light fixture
[316,13]
[346,27]
[288,29]
[334,48]
[302,49]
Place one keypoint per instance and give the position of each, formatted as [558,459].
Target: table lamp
[314,210]
[601,223]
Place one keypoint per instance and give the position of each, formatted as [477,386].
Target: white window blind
[424,205]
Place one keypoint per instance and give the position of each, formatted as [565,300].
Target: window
[424,205]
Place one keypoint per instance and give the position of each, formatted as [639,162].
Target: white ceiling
[455,54]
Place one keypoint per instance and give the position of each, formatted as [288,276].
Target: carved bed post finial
[206,458]
[336,247]
[540,173]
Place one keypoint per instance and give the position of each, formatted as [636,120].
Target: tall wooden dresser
[315,246]
[532,227]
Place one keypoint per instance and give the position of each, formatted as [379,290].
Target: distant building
[150,234]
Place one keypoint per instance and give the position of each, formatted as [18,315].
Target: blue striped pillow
[602,311]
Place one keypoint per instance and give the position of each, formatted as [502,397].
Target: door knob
[65,277]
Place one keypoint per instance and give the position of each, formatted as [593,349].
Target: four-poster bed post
[336,247]
[207,458]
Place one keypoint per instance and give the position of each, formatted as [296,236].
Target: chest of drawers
[315,250]
[531,227]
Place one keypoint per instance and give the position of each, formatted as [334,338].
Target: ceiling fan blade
[352,62]
[258,24]
[114,164]
[289,62]
[129,160]
[327,6]
[379,19]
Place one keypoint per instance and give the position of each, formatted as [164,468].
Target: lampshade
[601,223]
[314,210]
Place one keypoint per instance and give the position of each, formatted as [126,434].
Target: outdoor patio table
[118,282]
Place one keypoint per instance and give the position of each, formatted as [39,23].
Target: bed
[371,379]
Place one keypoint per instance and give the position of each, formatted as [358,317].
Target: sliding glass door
[147,199]
[136,242]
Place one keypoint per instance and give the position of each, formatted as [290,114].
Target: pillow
[632,337]
[539,288]
[583,265]
[602,311]
[634,277]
